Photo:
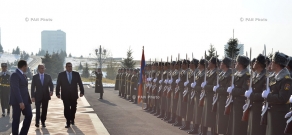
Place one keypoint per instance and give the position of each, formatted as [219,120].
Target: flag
[141,77]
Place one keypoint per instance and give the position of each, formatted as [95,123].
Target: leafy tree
[232,51]
[54,64]
[1,48]
[212,52]
[129,61]
[111,70]
[80,66]
[85,72]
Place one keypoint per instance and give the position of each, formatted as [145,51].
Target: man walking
[19,99]
[68,81]
[41,91]
[4,89]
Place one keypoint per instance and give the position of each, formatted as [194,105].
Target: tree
[85,72]
[129,61]
[80,66]
[111,70]
[70,55]
[81,56]
[31,54]
[232,51]
[212,52]
[1,48]
[54,64]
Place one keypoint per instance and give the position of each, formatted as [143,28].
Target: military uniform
[162,92]
[145,87]
[134,84]
[155,91]
[5,90]
[117,81]
[123,83]
[280,91]
[241,84]
[168,94]
[153,87]
[209,116]
[98,84]
[173,102]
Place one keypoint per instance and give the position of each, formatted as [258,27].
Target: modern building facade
[239,46]
[53,41]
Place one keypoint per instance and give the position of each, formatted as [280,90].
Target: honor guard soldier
[146,86]
[5,89]
[196,85]
[170,93]
[237,90]
[123,83]
[117,81]
[129,84]
[153,87]
[98,83]
[289,66]
[211,79]
[255,98]
[134,85]
[182,106]
[156,90]
[221,95]
[277,95]
[169,115]
[191,95]
[163,91]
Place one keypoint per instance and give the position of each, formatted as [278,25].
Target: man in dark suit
[20,99]
[40,93]
[67,82]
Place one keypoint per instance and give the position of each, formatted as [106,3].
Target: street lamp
[101,55]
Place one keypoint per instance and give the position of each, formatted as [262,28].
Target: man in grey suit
[41,91]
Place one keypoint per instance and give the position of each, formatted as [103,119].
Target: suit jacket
[19,89]
[41,91]
[69,91]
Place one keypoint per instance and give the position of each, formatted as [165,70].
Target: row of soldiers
[232,97]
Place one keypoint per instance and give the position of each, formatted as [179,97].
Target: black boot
[153,110]
[100,96]
[194,130]
[146,108]
[172,119]
[161,115]
[149,109]
[213,132]
[179,121]
[157,112]
[186,126]
[166,116]
[204,131]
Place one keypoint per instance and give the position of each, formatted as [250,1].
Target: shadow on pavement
[107,102]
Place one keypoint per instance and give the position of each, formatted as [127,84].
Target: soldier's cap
[203,62]
[173,62]
[290,62]
[280,58]
[186,62]
[227,61]
[3,64]
[155,64]
[166,63]
[214,60]
[261,59]
[128,69]
[195,62]
[136,70]
[161,64]
[243,60]
[178,62]
[131,69]
[253,60]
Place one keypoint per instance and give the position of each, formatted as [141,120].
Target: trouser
[16,119]
[101,94]
[69,110]
[43,117]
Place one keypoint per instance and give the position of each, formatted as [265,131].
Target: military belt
[5,85]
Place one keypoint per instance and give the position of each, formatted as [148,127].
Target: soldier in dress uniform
[153,87]
[98,83]
[158,83]
[129,98]
[191,95]
[224,83]
[117,81]
[277,95]
[169,115]
[5,89]
[123,83]
[198,110]
[134,84]
[241,84]
[211,81]
[146,84]
[255,97]
[127,84]
[173,84]
[162,93]
[182,106]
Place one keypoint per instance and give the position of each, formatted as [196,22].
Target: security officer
[277,95]
[98,83]
[237,90]
[196,85]
[162,93]
[182,106]
[189,94]
[211,79]
[254,95]
[5,89]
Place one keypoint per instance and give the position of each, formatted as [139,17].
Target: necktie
[70,77]
[42,79]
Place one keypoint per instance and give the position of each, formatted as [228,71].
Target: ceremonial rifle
[166,86]
[176,92]
[265,104]
[215,98]
[186,90]
[161,78]
[230,98]
[203,93]
[169,87]
[247,101]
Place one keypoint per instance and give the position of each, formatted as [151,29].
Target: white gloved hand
[165,81]
[229,89]
[186,83]
[160,81]
[193,85]
[170,81]
[247,93]
[150,79]
[203,84]
[154,80]
[289,114]
[266,93]
[215,88]
[244,107]
[135,89]
[177,81]
[290,100]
